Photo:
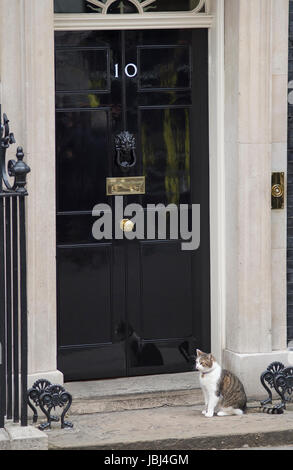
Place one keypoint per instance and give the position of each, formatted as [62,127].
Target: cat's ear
[199,352]
[212,358]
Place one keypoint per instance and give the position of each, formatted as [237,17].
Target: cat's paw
[221,413]
[204,412]
[209,414]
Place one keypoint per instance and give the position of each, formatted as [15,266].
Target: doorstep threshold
[125,386]
[134,393]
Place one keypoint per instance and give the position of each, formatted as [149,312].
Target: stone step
[134,393]
[171,428]
[135,402]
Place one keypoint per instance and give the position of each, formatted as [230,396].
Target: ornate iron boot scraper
[49,396]
[280,378]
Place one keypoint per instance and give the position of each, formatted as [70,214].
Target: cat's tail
[272,410]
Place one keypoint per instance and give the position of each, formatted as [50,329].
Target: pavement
[172,428]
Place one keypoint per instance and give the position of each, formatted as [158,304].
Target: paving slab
[172,428]
[26,438]
[4,440]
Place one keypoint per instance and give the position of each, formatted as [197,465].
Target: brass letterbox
[125,186]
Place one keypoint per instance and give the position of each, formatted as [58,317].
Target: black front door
[130,307]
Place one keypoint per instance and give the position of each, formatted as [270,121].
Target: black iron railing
[13,290]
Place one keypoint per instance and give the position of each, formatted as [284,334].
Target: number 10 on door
[130,70]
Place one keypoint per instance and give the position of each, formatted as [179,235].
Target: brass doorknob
[126,225]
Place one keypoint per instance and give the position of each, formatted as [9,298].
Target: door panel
[165,150]
[90,317]
[130,307]
[90,311]
[80,70]
[84,156]
[170,285]
[161,314]
[164,67]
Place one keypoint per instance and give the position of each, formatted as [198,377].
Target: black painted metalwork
[126,150]
[279,378]
[49,396]
[13,295]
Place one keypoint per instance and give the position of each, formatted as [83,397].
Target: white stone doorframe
[27,96]
[27,78]
[243,112]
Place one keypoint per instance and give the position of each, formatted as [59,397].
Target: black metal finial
[19,169]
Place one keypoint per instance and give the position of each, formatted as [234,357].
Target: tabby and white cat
[222,390]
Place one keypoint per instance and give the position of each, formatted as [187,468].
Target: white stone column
[279,163]
[27,76]
[217,176]
[250,33]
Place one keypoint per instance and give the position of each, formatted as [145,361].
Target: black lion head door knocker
[125,150]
